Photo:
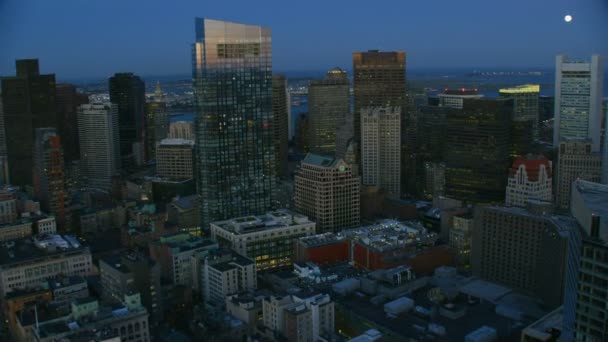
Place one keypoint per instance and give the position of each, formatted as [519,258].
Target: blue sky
[89,38]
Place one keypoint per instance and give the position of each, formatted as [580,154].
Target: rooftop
[526,88]
[272,220]
[320,160]
[176,142]
[595,196]
[320,239]
[37,247]
[186,202]
[391,234]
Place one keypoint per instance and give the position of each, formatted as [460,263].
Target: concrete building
[268,239]
[322,249]
[526,103]
[26,263]
[576,160]
[461,237]
[225,273]
[381,148]
[174,254]
[175,158]
[328,104]
[530,177]
[578,100]
[49,177]
[454,98]
[281,110]
[523,249]
[434,185]
[8,206]
[68,98]
[18,229]
[181,130]
[131,272]
[185,212]
[586,314]
[67,289]
[327,191]
[99,144]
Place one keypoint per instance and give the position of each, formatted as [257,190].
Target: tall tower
[232,73]
[575,160]
[48,177]
[157,122]
[127,91]
[328,104]
[68,99]
[99,144]
[578,100]
[28,101]
[381,148]
[280,113]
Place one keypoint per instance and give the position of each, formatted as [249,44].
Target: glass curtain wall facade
[232,75]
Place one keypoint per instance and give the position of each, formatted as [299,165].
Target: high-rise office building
[157,123]
[2,131]
[99,144]
[28,102]
[454,98]
[477,150]
[530,177]
[175,159]
[328,104]
[575,160]
[526,103]
[280,114]
[604,150]
[381,148]
[327,191]
[181,130]
[578,100]
[48,175]
[68,99]
[378,80]
[522,249]
[232,73]
[128,92]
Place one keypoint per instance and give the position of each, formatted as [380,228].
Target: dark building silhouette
[280,116]
[68,99]
[477,150]
[28,101]
[48,174]
[127,91]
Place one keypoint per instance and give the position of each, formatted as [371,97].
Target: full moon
[568,18]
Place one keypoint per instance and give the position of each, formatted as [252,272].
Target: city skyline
[158,42]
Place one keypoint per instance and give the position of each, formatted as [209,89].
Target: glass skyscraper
[232,75]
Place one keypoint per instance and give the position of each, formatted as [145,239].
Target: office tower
[232,72]
[575,160]
[454,98]
[68,99]
[157,123]
[181,130]
[585,306]
[477,151]
[344,135]
[268,239]
[174,158]
[2,131]
[48,175]
[578,100]
[127,91]
[328,104]
[605,150]
[461,236]
[526,99]
[99,144]
[522,249]
[327,191]
[301,138]
[280,114]
[28,102]
[8,206]
[378,80]
[434,179]
[530,177]
[381,148]
[224,273]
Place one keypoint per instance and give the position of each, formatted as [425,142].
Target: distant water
[181,116]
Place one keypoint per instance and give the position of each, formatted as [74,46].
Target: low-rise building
[66,289]
[17,229]
[268,239]
[225,273]
[185,212]
[322,249]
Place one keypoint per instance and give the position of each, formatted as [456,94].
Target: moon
[568,18]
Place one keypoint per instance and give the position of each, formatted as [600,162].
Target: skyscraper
[157,123]
[28,101]
[127,91]
[68,99]
[280,114]
[526,103]
[232,73]
[379,80]
[327,191]
[575,160]
[99,144]
[578,100]
[328,104]
[48,176]
[477,150]
[381,148]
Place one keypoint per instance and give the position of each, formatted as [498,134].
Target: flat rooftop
[38,247]
[595,196]
[391,234]
[282,218]
[320,239]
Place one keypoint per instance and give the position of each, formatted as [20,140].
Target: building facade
[578,100]
[280,113]
[327,191]
[181,130]
[175,159]
[381,148]
[225,273]
[49,176]
[575,160]
[526,99]
[236,170]
[530,177]
[128,93]
[268,239]
[68,99]
[99,144]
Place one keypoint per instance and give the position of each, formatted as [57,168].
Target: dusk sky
[80,39]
